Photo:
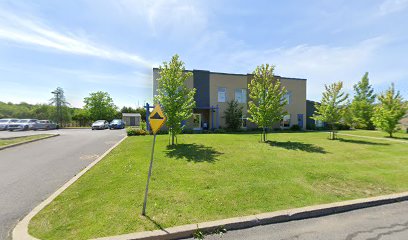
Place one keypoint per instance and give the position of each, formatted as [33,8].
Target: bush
[219,130]
[143,125]
[295,127]
[187,131]
[162,132]
[136,132]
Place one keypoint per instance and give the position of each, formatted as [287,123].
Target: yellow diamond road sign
[156,119]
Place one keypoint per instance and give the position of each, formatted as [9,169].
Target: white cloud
[391,6]
[167,17]
[320,64]
[33,32]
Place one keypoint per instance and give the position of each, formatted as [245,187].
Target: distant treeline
[70,116]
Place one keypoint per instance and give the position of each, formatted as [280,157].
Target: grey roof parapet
[240,74]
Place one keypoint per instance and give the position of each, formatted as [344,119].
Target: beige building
[215,89]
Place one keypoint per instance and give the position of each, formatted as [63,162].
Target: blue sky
[85,46]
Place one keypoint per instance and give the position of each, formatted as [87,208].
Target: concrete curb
[20,232]
[187,231]
[34,140]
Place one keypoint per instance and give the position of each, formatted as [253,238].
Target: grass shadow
[193,152]
[306,147]
[361,142]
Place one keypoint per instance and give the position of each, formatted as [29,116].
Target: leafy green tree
[233,115]
[140,110]
[174,96]
[43,111]
[61,114]
[267,102]
[100,106]
[82,116]
[362,106]
[330,110]
[389,111]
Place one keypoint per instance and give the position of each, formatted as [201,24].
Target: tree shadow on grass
[398,138]
[361,142]
[306,147]
[193,152]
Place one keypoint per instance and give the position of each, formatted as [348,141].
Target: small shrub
[219,130]
[162,132]
[136,132]
[143,125]
[277,129]
[295,127]
[188,131]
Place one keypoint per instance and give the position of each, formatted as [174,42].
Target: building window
[244,120]
[285,121]
[319,123]
[240,95]
[288,97]
[222,94]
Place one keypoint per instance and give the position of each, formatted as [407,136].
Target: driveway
[376,223]
[31,172]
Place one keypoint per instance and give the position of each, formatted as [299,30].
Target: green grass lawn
[398,135]
[215,176]
[11,141]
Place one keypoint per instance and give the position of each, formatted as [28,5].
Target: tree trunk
[263,134]
[172,138]
[390,134]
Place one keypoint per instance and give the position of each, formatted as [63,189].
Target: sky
[85,46]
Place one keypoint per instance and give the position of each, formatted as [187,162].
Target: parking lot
[8,134]
[31,172]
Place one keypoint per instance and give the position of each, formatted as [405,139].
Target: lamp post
[58,106]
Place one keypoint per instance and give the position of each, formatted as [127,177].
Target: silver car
[45,124]
[100,124]
[22,124]
[4,122]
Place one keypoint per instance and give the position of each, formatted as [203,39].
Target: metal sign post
[157,120]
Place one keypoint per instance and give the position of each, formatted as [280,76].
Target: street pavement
[31,172]
[376,223]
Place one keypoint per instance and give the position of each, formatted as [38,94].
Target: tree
[140,110]
[389,111]
[173,95]
[267,102]
[330,110]
[100,106]
[61,114]
[233,115]
[362,106]
[82,116]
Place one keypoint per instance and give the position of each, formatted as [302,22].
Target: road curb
[20,231]
[187,231]
[30,141]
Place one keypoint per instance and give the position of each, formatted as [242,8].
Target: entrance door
[197,121]
[132,121]
[300,120]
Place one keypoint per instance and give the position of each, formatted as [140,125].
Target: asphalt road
[377,223]
[31,172]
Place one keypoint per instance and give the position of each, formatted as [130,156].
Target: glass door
[197,121]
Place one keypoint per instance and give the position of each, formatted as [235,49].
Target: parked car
[45,124]
[22,124]
[117,124]
[100,124]
[4,122]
